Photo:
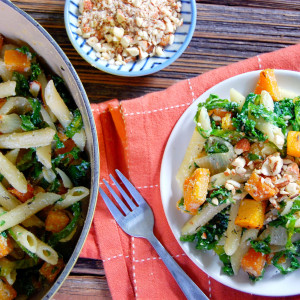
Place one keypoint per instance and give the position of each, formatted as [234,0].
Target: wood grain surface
[227,31]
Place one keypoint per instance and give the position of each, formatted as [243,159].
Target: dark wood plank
[226,32]
[83,287]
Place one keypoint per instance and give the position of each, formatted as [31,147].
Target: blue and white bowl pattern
[149,65]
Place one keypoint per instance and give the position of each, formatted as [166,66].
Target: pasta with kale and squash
[43,172]
[240,179]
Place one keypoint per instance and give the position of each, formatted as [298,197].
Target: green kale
[188,238]
[27,160]
[223,195]
[75,125]
[285,109]
[79,173]
[64,159]
[296,123]
[61,88]
[35,71]
[262,246]
[59,143]
[242,123]
[255,278]
[253,156]
[208,236]
[1,177]
[27,124]
[259,111]
[225,259]
[25,50]
[213,102]
[215,148]
[292,263]
[22,86]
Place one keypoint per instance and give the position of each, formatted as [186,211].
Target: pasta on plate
[43,172]
[240,179]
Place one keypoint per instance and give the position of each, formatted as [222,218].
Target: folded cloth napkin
[132,137]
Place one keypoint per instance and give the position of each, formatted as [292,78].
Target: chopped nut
[134,51]
[239,162]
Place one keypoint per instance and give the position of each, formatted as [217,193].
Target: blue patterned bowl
[149,65]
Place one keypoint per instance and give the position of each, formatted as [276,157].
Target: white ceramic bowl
[274,284]
[16,25]
[149,65]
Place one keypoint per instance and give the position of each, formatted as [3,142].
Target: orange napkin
[132,136]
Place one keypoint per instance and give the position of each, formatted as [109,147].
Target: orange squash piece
[195,189]
[56,220]
[293,143]
[50,272]
[6,246]
[267,82]
[259,189]
[23,197]
[253,262]
[251,214]
[7,292]
[16,61]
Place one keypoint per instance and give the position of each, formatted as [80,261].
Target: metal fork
[139,222]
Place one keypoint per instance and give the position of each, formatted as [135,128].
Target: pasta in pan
[240,179]
[43,172]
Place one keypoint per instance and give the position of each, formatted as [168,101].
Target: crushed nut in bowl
[130,37]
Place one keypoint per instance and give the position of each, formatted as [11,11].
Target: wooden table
[227,31]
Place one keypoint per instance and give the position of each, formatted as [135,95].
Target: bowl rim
[159,67]
[95,152]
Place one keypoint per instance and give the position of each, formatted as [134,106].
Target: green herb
[253,156]
[2,223]
[75,125]
[35,71]
[188,238]
[285,109]
[1,177]
[296,123]
[255,278]
[22,86]
[262,246]
[26,160]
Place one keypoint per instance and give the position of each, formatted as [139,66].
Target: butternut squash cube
[7,292]
[16,61]
[56,220]
[253,262]
[258,188]
[293,143]
[267,82]
[195,189]
[251,214]
[6,246]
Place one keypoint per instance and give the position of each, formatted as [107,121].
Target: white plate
[273,284]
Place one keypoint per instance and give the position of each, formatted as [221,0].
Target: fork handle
[188,287]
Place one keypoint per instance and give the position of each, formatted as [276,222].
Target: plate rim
[162,190]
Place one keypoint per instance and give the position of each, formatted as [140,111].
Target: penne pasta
[65,179]
[25,210]
[28,139]
[12,155]
[10,123]
[18,105]
[12,174]
[46,253]
[72,196]
[44,155]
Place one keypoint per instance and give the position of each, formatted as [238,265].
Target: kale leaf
[30,121]
[252,156]
[22,86]
[75,125]
[242,123]
[35,71]
[79,173]
[262,246]
[214,101]
[222,194]
[225,259]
